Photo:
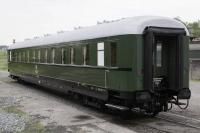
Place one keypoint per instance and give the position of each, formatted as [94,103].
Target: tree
[193,27]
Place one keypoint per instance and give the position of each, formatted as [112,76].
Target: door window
[159,54]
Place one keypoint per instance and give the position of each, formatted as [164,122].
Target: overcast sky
[22,19]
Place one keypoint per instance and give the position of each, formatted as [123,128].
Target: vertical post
[148,64]
[179,60]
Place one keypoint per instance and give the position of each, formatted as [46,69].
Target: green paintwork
[129,76]
[186,62]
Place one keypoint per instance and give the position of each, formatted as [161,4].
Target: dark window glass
[42,55]
[10,56]
[49,55]
[37,55]
[15,56]
[31,57]
[72,55]
[86,56]
[23,56]
[64,56]
[34,53]
[113,54]
[46,56]
[27,56]
[53,55]
[20,57]
[58,56]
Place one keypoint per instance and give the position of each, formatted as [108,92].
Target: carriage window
[10,56]
[85,55]
[34,56]
[19,57]
[27,56]
[39,55]
[100,54]
[46,55]
[63,55]
[16,55]
[53,55]
[159,54]
[72,53]
[23,56]
[113,54]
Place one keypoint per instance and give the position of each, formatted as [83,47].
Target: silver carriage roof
[134,25]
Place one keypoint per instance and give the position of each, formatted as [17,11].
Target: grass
[195,80]
[32,125]
[3,61]
[14,110]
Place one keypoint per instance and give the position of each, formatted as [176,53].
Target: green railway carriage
[139,62]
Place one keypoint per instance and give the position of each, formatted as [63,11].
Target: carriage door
[163,58]
[160,57]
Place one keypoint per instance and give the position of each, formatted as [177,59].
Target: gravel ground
[11,122]
[29,109]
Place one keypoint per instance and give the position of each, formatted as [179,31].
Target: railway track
[165,122]
[180,119]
